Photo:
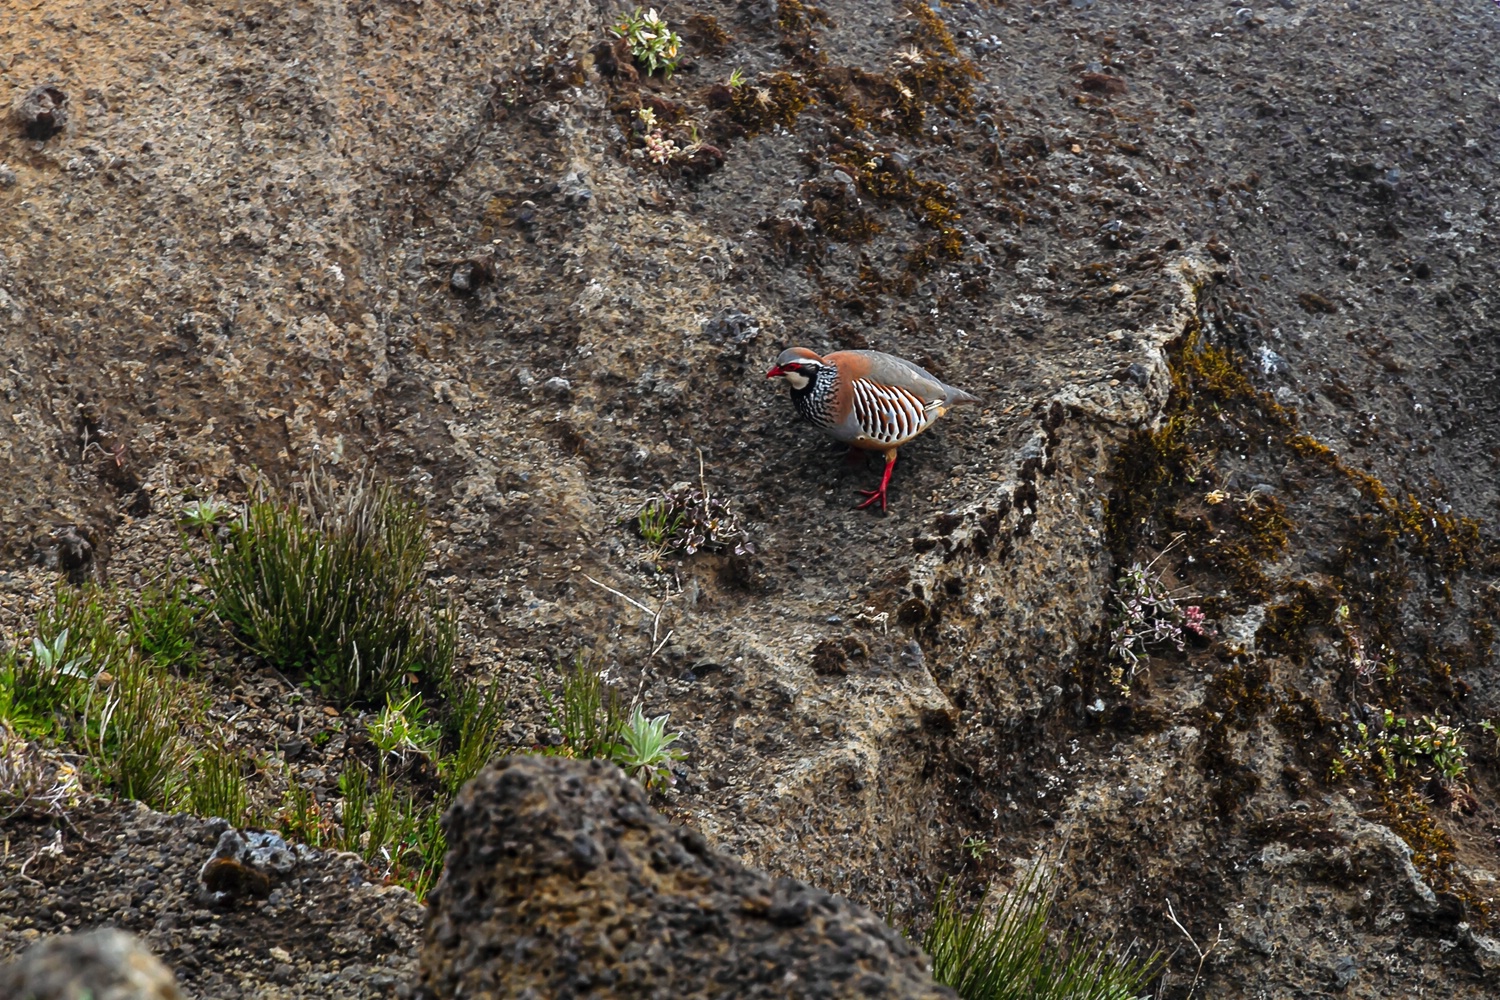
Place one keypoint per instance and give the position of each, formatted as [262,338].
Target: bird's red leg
[885,480]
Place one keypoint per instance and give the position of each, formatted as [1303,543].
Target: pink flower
[1193,620]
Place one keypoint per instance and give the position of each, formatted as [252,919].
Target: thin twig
[658,641]
[1175,539]
[51,849]
[76,831]
[623,597]
[662,645]
[1202,955]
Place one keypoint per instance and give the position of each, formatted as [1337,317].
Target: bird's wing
[888,369]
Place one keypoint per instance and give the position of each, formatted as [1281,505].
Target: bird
[867,399]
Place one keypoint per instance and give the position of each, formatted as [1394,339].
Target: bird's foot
[877,494]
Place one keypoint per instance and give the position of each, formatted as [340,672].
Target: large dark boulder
[562,882]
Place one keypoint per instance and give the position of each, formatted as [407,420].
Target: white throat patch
[797,379]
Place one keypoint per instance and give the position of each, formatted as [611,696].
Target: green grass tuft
[216,785]
[332,588]
[1005,954]
[87,614]
[141,748]
[588,713]
[163,624]
[474,721]
[40,686]
[390,829]
[303,817]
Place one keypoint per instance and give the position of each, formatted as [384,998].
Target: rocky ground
[323,930]
[431,237]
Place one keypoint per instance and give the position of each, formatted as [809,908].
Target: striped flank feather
[890,414]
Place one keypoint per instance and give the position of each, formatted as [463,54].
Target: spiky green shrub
[473,726]
[141,747]
[163,624]
[588,713]
[330,586]
[1006,953]
[216,784]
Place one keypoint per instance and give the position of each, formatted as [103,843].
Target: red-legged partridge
[866,399]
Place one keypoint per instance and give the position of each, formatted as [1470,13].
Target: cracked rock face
[561,880]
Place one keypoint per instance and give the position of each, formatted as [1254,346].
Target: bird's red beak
[775,372]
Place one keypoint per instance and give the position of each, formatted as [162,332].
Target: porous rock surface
[563,881]
[416,233]
[104,964]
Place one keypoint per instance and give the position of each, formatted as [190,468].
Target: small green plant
[736,79]
[389,829]
[216,784]
[163,624]
[1007,955]
[652,43]
[333,588]
[354,813]
[657,524]
[643,751]
[1420,748]
[401,729]
[140,748]
[590,716]
[202,515]
[474,720]
[1489,729]
[588,713]
[38,687]
[976,847]
[688,518]
[419,866]
[88,616]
